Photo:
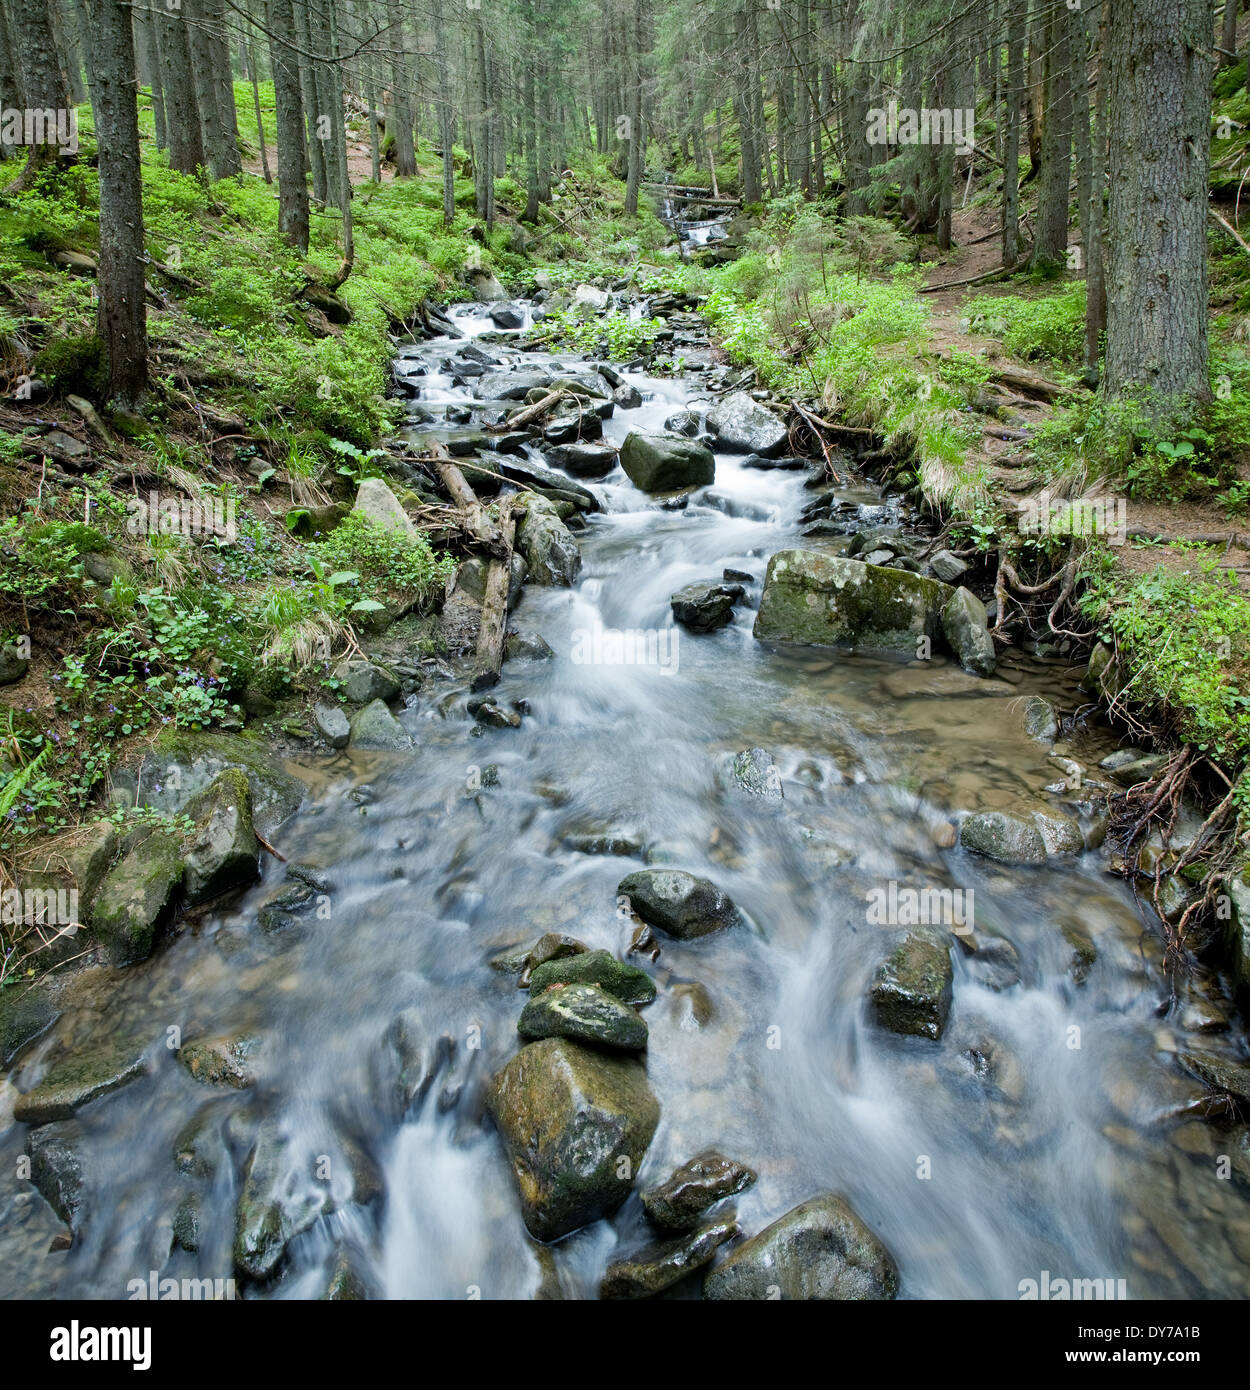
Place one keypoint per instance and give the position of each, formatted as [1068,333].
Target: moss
[74,367]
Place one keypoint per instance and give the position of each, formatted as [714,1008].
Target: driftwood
[475,519]
[529,414]
[490,640]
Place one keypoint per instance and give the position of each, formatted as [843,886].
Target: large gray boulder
[550,551]
[223,851]
[1020,839]
[377,503]
[375,727]
[820,1250]
[666,462]
[743,426]
[576,1123]
[819,600]
[966,628]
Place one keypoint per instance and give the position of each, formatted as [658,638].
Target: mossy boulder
[911,992]
[550,552]
[666,462]
[222,1061]
[584,1012]
[623,981]
[181,764]
[137,895]
[75,1079]
[576,1123]
[223,851]
[820,1250]
[811,599]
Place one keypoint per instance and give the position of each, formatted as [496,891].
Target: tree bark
[289,110]
[182,115]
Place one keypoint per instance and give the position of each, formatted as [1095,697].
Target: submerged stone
[911,992]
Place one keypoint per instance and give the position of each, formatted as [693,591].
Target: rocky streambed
[753,936]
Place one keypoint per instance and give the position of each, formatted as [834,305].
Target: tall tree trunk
[182,115]
[289,112]
[1158,52]
[314,113]
[122,325]
[43,82]
[148,55]
[1013,101]
[399,113]
[1051,246]
[1095,216]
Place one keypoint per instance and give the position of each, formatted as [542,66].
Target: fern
[12,787]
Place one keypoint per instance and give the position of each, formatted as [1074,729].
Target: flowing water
[1039,1134]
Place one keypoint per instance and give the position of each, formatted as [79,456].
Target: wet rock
[692,1007]
[678,903]
[995,962]
[754,772]
[222,1061]
[510,386]
[584,1012]
[947,567]
[683,422]
[222,852]
[966,627]
[1130,766]
[820,1250]
[507,316]
[623,981]
[490,712]
[348,1284]
[1040,721]
[364,682]
[627,843]
[136,896]
[486,289]
[1018,839]
[555,487]
[26,1011]
[411,1056]
[679,1203]
[279,915]
[377,503]
[549,549]
[77,860]
[56,1169]
[666,463]
[786,462]
[576,1124]
[75,1079]
[627,397]
[1084,952]
[526,646]
[187,1223]
[550,946]
[911,992]
[651,1270]
[200,1148]
[375,727]
[585,460]
[276,1204]
[813,599]
[743,426]
[573,426]
[1221,1074]
[1237,928]
[705,607]
[926,681]
[332,725]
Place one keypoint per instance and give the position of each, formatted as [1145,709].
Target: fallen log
[475,519]
[1028,383]
[529,414]
[490,639]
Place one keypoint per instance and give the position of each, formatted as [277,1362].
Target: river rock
[222,1061]
[966,628]
[684,422]
[507,316]
[332,725]
[584,1012]
[375,727]
[754,772]
[623,981]
[743,426]
[223,851]
[182,764]
[549,549]
[590,296]
[947,567]
[1020,840]
[584,460]
[569,1115]
[554,486]
[76,860]
[678,903]
[409,1058]
[627,397]
[820,1250]
[377,503]
[705,607]
[136,896]
[1222,1074]
[486,289]
[365,681]
[823,600]
[56,1169]
[526,646]
[571,426]
[491,713]
[510,386]
[1040,720]
[666,462]
[651,1270]
[678,1203]
[26,1011]
[276,1204]
[1236,931]
[911,992]
[75,1079]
